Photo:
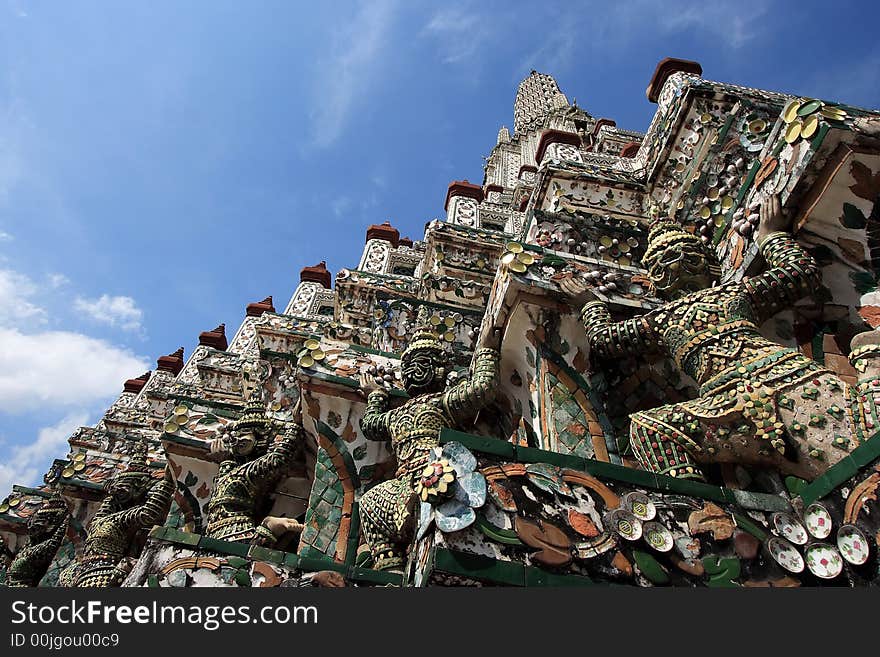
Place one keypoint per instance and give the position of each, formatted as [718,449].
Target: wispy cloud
[5,237]
[60,369]
[347,73]
[27,463]
[118,311]
[58,280]
[41,368]
[623,24]
[16,305]
[341,205]
[460,32]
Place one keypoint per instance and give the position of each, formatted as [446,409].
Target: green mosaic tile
[533,455]
[650,567]
[620,473]
[483,444]
[237,562]
[374,576]
[751,527]
[479,567]
[538,577]
[223,547]
[260,553]
[184,538]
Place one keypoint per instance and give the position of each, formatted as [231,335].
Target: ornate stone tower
[678,398]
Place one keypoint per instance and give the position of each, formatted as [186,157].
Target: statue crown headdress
[424,337]
[254,417]
[137,465]
[667,232]
[52,506]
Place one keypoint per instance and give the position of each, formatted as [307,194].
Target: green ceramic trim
[183,440]
[350,383]
[840,472]
[619,473]
[385,296]
[477,566]
[257,553]
[354,529]
[748,525]
[30,491]
[484,444]
[341,447]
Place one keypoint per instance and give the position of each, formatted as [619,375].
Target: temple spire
[537,96]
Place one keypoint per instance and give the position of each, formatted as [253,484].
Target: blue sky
[163,164]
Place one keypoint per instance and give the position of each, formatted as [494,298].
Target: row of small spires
[216,338]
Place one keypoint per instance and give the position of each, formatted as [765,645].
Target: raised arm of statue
[374,423]
[278,459]
[606,337]
[793,273]
[57,536]
[153,510]
[464,400]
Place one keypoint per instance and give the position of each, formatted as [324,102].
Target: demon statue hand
[759,403]
[387,510]
[134,502]
[46,529]
[251,468]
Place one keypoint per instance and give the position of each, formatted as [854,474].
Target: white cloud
[60,368]
[26,464]
[348,73]
[5,237]
[57,280]
[460,33]
[115,311]
[16,309]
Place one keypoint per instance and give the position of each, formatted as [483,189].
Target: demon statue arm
[793,273]
[46,532]
[609,339]
[464,400]
[375,422]
[278,459]
[154,507]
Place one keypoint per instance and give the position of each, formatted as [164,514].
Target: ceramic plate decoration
[790,527]
[824,561]
[657,536]
[640,505]
[625,524]
[853,545]
[818,521]
[786,555]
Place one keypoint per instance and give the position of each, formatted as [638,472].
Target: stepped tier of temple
[536,392]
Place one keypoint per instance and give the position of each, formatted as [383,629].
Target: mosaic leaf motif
[501,495]
[553,544]
[548,478]
[852,217]
[459,457]
[867,185]
[471,489]
[453,516]
[572,431]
